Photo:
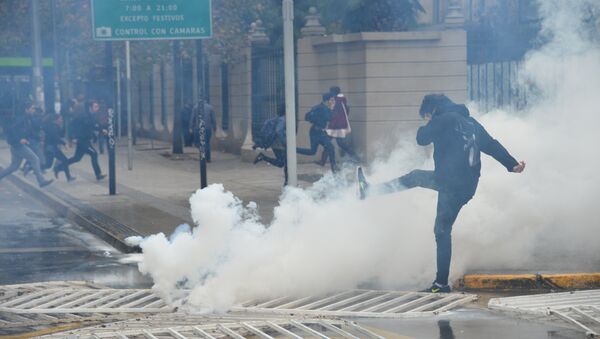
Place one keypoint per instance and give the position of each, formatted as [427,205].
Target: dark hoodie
[458,139]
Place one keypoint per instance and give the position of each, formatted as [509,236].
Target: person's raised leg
[415,178]
[34,161]
[15,162]
[314,143]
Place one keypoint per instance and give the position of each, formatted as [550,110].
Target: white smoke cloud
[323,239]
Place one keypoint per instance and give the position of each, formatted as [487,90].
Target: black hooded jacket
[457,141]
[83,127]
[24,127]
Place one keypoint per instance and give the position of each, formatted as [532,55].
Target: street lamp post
[37,78]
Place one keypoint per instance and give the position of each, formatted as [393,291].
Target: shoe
[46,183]
[26,171]
[100,177]
[320,163]
[259,158]
[70,179]
[55,169]
[437,288]
[363,185]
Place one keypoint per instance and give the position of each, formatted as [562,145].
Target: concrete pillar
[313,26]
[454,16]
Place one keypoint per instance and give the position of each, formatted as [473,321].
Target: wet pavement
[473,324]
[37,245]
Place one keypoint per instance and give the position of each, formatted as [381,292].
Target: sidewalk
[154,196]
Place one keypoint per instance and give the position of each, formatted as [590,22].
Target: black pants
[449,205]
[280,161]
[345,146]
[82,149]
[319,137]
[52,152]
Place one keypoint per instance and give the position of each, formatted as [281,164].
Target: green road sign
[151,19]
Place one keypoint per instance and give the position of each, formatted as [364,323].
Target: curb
[568,281]
[95,222]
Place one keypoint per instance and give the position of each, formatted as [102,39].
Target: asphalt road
[37,245]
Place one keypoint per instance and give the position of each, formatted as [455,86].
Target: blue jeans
[319,137]
[449,205]
[18,153]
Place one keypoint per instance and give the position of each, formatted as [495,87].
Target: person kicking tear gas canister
[457,141]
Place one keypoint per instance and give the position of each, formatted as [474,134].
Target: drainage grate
[539,303]
[584,317]
[580,308]
[85,300]
[361,303]
[270,329]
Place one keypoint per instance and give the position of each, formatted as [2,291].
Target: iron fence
[496,85]
[268,91]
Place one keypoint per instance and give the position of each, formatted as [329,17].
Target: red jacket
[339,118]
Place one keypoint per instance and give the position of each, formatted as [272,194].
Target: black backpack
[267,134]
[310,116]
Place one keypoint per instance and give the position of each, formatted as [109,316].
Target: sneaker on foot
[46,183]
[69,179]
[437,288]
[55,169]
[100,177]
[259,158]
[363,185]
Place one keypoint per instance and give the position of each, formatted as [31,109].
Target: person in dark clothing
[457,141]
[210,126]
[101,117]
[83,128]
[278,145]
[18,136]
[53,131]
[34,138]
[186,118]
[319,116]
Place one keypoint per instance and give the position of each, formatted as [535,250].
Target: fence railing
[496,85]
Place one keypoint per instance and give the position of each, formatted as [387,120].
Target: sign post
[151,19]
[126,20]
[112,180]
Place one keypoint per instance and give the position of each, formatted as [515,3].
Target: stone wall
[384,76]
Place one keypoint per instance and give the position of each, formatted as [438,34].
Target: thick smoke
[323,239]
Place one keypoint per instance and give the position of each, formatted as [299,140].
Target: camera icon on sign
[103,32]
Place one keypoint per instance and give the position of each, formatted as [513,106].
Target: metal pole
[201,114]
[38,77]
[129,120]
[118,61]
[290,90]
[112,173]
[55,63]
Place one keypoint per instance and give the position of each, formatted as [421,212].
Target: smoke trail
[323,239]
[546,218]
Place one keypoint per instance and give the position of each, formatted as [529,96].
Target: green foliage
[231,24]
[349,16]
